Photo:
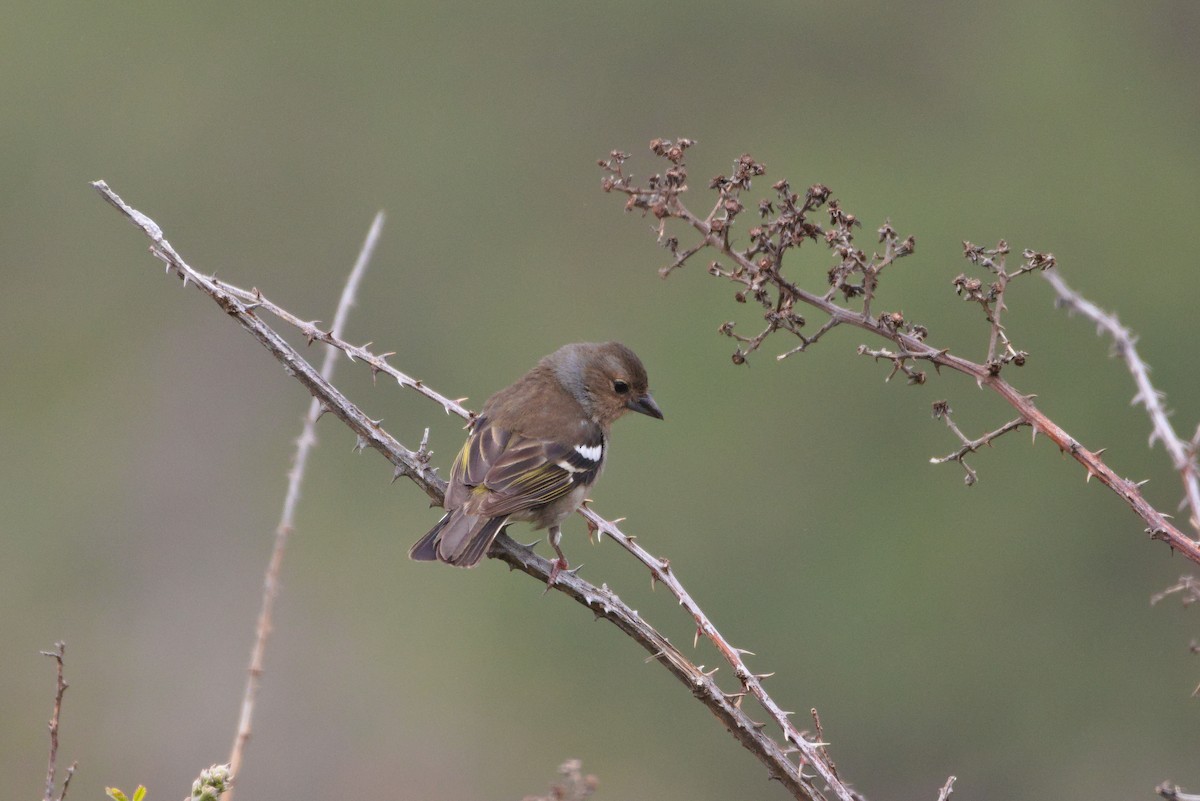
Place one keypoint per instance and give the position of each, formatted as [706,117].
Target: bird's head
[607,379]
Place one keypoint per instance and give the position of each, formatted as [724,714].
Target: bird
[535,449]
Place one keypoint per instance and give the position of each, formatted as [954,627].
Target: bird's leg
[560,564]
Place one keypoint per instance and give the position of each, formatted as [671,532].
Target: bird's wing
[532,472]
[482,449]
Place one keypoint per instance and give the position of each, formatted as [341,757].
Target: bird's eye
[620,387]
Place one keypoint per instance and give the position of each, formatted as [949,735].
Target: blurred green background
[1001,633]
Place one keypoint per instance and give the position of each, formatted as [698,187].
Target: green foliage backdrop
[1001,633]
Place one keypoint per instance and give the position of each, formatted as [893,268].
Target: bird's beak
[645,405]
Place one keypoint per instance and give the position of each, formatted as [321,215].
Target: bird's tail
[458,539]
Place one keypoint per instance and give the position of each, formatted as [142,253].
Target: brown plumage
[536,448]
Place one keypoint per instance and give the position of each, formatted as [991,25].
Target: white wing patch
[590,452]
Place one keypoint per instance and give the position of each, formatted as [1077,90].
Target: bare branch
[1182,453]
[947,789]
[941,409]
[805,341]
[304,445]
[726,706]
[368,430]
[60,690]
[1188,589]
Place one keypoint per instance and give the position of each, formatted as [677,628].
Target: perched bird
[535,449]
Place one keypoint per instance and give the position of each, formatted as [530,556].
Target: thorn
[696,637]
[1142,483]
[529,547]
[1099,452]
[653,656]
[744,651]
[761,676]
[360,444]
[399,471]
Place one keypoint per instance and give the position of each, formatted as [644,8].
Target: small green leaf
[139,793]
[115,794]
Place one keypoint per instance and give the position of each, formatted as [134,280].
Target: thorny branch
[786,222]
[1183,453]
[941,410]
[778,757]
[52,764]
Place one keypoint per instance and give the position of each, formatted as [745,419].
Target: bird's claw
[556,567]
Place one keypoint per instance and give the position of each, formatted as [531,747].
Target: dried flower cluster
[786,221]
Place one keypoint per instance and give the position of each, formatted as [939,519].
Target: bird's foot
[556,567]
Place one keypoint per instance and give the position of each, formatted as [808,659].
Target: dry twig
[304,445]
[1183,453]
[941,410]
[244,306]
[52,764]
